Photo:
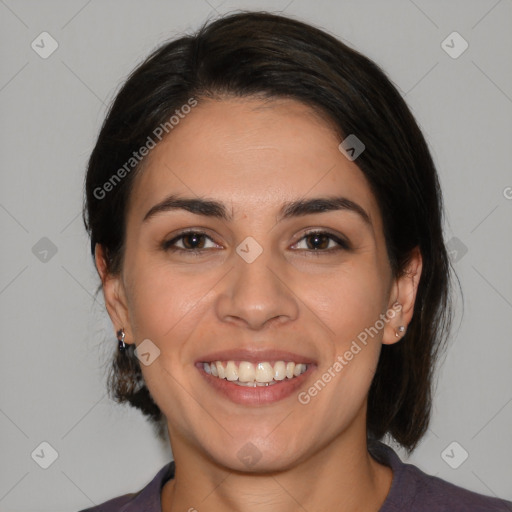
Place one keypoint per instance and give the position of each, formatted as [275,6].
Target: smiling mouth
[245,373]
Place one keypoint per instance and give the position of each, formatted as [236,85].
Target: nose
[255,294]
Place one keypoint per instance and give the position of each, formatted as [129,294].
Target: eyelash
[168,245]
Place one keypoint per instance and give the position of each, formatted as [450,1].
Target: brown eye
[317,241]
[193,240]
[321,241]
[189,241]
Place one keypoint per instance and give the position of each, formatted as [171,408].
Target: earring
[120,339]
[401,329]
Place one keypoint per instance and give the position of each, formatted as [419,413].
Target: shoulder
[113,505]
[147,499]
[433,493]
[412,490]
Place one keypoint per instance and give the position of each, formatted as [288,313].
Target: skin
[253,156]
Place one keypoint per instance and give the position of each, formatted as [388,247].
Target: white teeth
[254,384]
[220,369]
[248,374]
[231,371]
[299,368]
[264,372]
[279,370]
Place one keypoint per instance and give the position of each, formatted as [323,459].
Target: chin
[256,455]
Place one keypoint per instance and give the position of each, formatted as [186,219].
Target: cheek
[351,300]
[351,303]
[162,301]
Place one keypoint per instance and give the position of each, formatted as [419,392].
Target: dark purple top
[412,490]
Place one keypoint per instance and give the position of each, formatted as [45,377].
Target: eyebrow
[298,208]
[320,205]
[206,207]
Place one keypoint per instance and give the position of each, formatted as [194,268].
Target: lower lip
[259,395]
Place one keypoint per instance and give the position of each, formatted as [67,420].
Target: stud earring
[120,339]
[400,331]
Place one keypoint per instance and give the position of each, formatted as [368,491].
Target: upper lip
[254,356]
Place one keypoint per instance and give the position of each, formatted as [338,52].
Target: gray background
[56,339]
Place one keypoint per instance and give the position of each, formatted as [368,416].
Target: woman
[266,221]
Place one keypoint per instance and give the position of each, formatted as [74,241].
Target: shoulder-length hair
[270,56]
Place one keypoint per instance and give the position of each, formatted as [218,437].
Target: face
[285,263]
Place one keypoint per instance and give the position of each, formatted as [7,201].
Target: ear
[402,299]
[114,294]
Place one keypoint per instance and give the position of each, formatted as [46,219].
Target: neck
[341,476]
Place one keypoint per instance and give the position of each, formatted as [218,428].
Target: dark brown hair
[270,56]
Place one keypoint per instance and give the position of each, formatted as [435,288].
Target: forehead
[250,153]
